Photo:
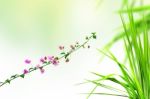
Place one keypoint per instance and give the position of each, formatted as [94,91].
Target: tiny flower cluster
[44,60]
[55,60]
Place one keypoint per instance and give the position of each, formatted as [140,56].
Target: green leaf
[94,33]
[22,75]
[94,36]
[92,92]
[107,94]
[136,9]
[105,86]
[67,55]
[63,53]
[7,81]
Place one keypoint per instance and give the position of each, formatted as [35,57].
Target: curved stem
[46,64]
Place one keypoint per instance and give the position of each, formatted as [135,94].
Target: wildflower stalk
[65,55]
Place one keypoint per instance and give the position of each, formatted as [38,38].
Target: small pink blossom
[42,70]
[25,71]
[55,62]
[50,58]
[37,66]
[27,61]
[42,60]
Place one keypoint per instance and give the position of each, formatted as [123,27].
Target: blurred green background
[45,23]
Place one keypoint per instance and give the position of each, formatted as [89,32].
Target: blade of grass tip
[120,35]
[105,54]
[114,40]
[111,56]
[81,83]
[109,94]
[135,38]
[104,77]
[122,67]
[124,70]
[134,35]
[124,2]
[127,77]
[126,86]
[91,92]
[107,87]
[114,80]
[136,9]
[100,79]
[86,81]
[107,77]
[120,64]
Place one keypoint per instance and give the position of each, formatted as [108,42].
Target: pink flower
[50,58]
[25,71]
[42,60]
[27,61]
[42,70]
[55,62]
[37,66]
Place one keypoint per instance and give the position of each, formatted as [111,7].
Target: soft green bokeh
[32,22]
[44,24]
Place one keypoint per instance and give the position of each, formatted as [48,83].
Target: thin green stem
[46,64]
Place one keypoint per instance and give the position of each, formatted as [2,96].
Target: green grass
[135,74]
[138,24]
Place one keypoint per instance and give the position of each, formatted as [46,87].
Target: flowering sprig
[47,60]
